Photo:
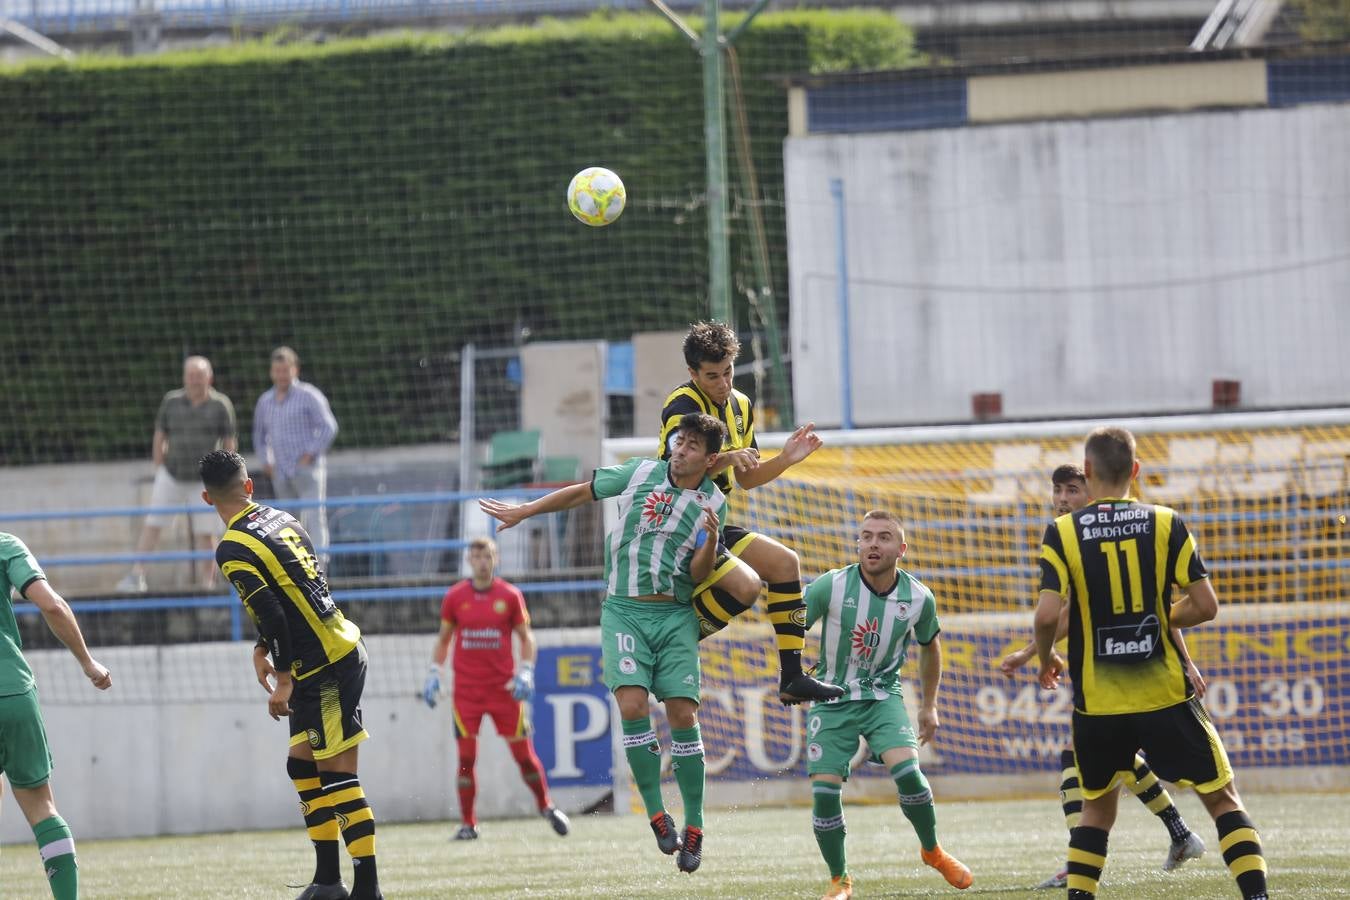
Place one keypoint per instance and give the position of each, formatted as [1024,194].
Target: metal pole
[841,250]
[466,417]
[714,136]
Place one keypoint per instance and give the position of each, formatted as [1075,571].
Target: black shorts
[734,540]
[326,706]
[1179,741]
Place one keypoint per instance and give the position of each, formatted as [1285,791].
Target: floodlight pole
[715,154]
[712,46]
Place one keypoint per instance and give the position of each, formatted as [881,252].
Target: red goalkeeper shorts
[508,714]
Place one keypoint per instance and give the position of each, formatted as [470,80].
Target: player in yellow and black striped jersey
[318,664]
[744,557]
[1117,560]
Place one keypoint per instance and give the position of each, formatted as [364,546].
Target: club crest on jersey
[656,508]
[499,607]
[866,639]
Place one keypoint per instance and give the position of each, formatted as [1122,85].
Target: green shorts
[24,755]
[833,729]
[652,645]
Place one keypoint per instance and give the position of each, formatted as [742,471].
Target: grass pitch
[749,853]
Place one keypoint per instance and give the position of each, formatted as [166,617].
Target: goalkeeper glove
[432,687]
[522,686]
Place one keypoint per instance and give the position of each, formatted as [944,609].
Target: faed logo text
[866,638]
[1141,647]
[656,508]
[1128,642]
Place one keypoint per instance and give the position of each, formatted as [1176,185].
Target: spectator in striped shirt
[293,428]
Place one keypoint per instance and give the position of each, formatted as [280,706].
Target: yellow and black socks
[715,609]
[57,848]
[644,761]
[827,821]
[1087,858]
[787,612]
[357,821]
[1070,793]
[1241,848]
[1146,786]
[319,822]
[686,758]
[916,801]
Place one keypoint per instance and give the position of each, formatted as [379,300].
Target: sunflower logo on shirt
[866,639]
[656,508]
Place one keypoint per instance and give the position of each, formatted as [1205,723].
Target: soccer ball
[596,196]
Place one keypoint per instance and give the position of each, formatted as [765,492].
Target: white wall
[1080,267]
[182,743]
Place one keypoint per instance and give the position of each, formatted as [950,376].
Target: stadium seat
[1271,466]
[1326,468]
[1190,469]
[1015,473]
[559,469]
[513,457]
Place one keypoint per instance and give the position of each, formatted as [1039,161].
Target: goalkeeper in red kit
[481,614]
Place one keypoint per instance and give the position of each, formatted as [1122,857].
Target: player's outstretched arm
[930,675]
[62,622]
[799,445]
[512,514]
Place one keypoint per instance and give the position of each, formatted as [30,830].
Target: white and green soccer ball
[596,196]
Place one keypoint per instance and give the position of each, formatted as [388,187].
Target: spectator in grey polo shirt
[191,422]
[292,430]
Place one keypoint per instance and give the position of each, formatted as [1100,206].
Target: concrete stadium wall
[1097,266]
[182,744]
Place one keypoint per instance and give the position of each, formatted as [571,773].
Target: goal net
[1264,494]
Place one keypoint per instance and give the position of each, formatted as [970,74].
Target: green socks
[916,801]
[827,820]
[644,761]
[57,847]
[686,756]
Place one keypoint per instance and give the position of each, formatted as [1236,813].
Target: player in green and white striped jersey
[871,612]
[663,544]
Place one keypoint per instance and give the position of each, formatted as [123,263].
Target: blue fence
[227,600]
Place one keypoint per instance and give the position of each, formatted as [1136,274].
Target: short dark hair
[705,426]
[221,469]
[888,516]
[287,355]
[1067,473]
[1111,452]
[710,342]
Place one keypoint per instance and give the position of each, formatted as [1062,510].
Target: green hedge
[375,204]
